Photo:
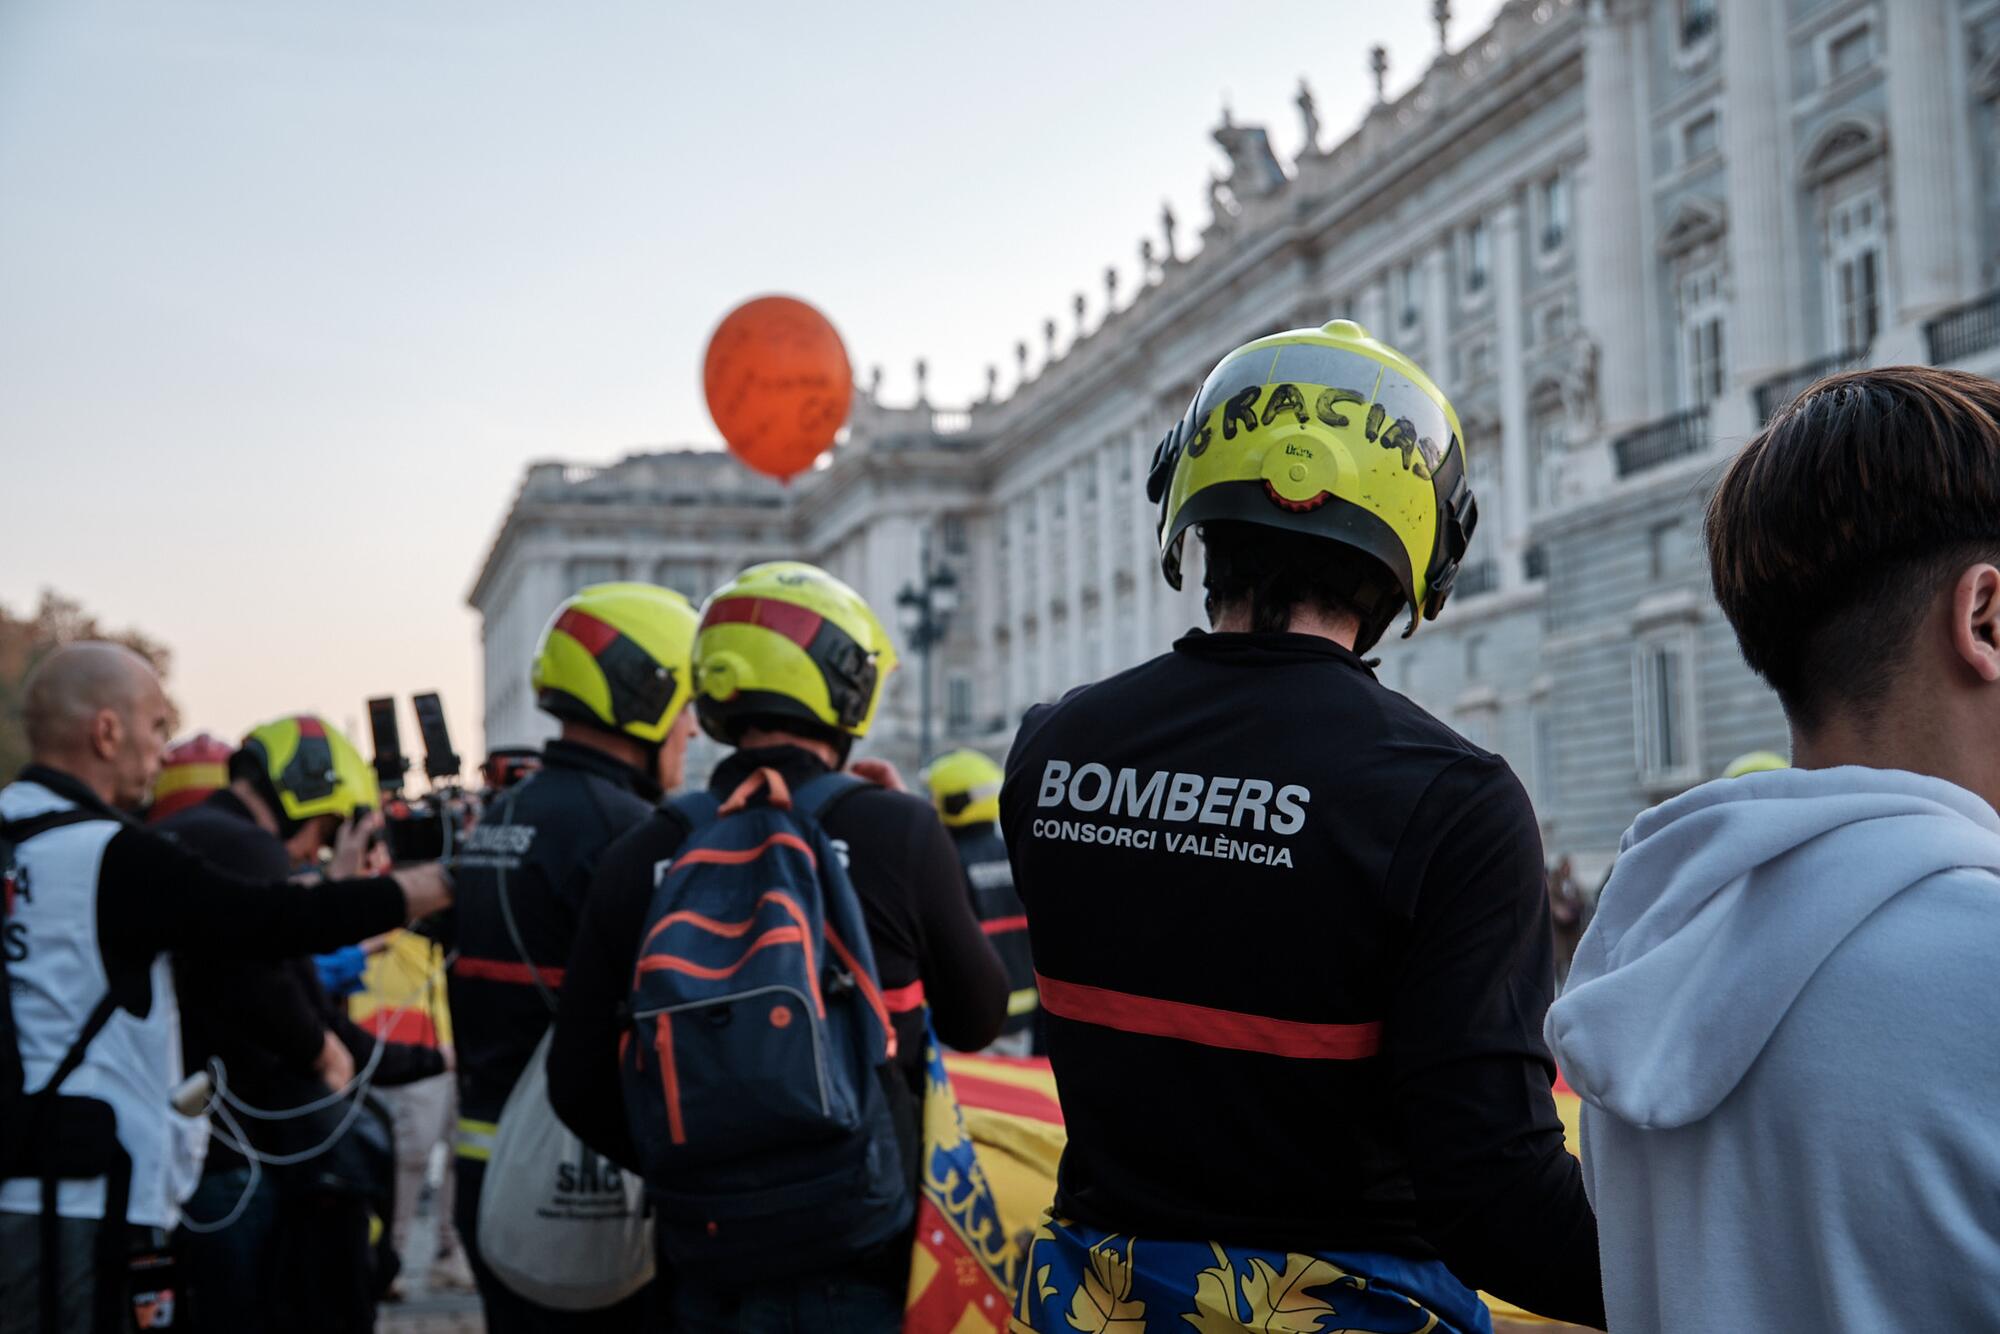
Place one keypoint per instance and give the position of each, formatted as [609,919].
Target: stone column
[1066,583]
[1141,515]
[1374,309]
[1014,688]
[1923,130]
[1106,516]
[1760,193]
[1509,313]
[1437,311]
[1610,197]
[1053,587]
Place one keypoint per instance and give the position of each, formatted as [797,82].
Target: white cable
[358,1085]
[238,1142]
[249,1188]
[356,1089]
[220,1101]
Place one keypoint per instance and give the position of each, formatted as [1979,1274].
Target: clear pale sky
[291,292]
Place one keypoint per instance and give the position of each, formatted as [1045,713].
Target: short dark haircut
[1271,571]
[1831,535]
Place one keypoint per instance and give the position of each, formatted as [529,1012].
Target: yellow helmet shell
[314,769]
[1328,432]
[616,656]
[788,640]
[965,788]
[1756,762]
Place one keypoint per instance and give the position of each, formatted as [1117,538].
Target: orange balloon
[778,383]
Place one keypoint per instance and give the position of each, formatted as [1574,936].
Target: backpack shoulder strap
[13,833]
[819,795]
[73,1058]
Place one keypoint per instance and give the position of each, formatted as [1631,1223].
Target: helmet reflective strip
[798,624]
[586,630]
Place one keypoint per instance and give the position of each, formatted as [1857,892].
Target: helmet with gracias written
[1331,433]
[787,641]
[312,767]
[615,657]
[965,788]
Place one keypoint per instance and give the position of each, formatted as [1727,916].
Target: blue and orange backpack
[755,1063]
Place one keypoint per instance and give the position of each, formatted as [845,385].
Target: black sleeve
[154,895]
[249,1006]
[964,980]
[278,1016]
[401,1063]
[583,1056]
[1499,1195]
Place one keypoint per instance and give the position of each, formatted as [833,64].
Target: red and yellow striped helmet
[190,769]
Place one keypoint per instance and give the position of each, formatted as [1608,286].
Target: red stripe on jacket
[1209,1027]
[506,970]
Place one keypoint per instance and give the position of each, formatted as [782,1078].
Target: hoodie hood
[1723,904]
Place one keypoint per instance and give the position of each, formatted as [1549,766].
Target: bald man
[94,904]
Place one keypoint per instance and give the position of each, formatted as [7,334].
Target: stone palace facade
[1618,233]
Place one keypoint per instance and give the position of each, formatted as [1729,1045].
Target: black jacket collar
[71,789]
[1258,648]
[560,754]
[795,764]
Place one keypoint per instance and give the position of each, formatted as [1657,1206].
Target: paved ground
[455,1314]
[460,1315]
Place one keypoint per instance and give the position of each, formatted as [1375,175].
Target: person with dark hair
[1781,1020]
[1291,932]
[612,667]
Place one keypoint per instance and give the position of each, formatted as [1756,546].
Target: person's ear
[107,734]
[1975,620]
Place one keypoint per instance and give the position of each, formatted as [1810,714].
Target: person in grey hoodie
[1782,1020]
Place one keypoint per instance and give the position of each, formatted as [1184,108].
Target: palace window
[1854,270]
[1548,438]
[1697,21]
[1663,713]
[1406,294]
[1478,255]
[1702,332]
[1552,198]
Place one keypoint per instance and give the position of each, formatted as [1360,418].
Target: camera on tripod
[428,827]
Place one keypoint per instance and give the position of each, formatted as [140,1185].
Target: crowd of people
[1289,944]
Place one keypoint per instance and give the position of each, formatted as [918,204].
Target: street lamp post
[924,610]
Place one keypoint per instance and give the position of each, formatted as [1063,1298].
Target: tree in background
[25,640]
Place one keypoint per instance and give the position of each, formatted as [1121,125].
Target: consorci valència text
[1201,802]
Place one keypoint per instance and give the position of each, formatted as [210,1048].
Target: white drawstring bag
[560,1224]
